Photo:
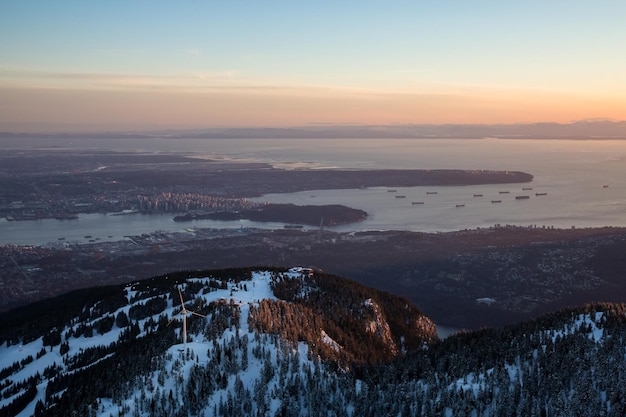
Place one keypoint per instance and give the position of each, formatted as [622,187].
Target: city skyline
[146,65]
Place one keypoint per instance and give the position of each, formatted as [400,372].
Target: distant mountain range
[296,342]
[585,129]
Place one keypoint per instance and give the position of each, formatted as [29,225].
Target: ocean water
[584,182]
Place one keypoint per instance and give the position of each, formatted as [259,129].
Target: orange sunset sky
[68,66]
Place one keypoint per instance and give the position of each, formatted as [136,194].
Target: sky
[136,65]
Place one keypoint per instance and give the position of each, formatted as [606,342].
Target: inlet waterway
[577,183]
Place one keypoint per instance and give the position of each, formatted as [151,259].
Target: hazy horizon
[582,129]
[158,65]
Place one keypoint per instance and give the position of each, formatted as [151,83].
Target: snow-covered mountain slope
[297,343]
[242,340]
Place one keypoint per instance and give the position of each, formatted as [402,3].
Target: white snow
[180,358]
[330,342]
[179,367]
[258,288]
[596,334]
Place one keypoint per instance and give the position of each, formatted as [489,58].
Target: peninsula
[39,184]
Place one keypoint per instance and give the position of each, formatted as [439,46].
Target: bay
[582,182]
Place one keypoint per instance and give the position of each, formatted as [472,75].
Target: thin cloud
[72,80]
[193,82]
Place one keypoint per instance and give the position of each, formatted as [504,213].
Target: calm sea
[583,183]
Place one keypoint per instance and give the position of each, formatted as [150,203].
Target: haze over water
[584,182]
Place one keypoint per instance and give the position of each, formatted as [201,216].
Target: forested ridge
[297,342]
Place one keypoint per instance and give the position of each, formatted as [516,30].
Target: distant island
[328,215]
[595,129]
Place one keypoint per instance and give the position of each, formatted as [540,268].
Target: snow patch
[589,321]
[330,342]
